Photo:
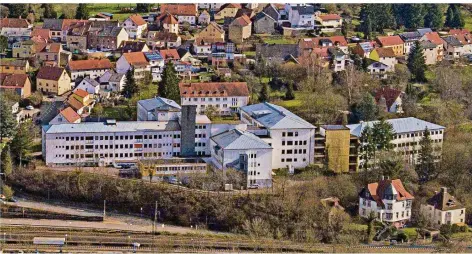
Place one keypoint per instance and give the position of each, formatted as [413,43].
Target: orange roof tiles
[242,21]
[90,64]
[74,103]
[40,32]
[310,43]
[390,40]
[15,80]
[168,18]
[458,31]
[14,23]
[169,54]
[434,38]
[137,19]
[330,17]
[213,89]
[82,93]
[136,58]
[70,115]
[377,190]
[385,52]
[180,9]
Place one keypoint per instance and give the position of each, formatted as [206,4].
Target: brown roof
[90,64]
[15,62]
[40,32]
[458,31]
[311,43]
[47,47]
[378,190]
[464,38]
[242,21]
[180,9]
[50,73]
[389,40]
[136,58]
[390,95]
[213,89]
[137,19]
[80,92]
[167,18]
[169,54]
[330,17]
[14,23]
[434,38]
[17,80]
[385,52]
[444,201]
[74,103]
[230,5]
[70,115]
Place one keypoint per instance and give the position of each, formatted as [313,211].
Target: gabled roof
[427,45]
[167,18]
[112,31]
[136,59]
[137,20]
[389,94]
[400,125]
[444,201]
[239,140]
[41,32]
[169,54]
[215,26]
[379,191]
[366,46]
[132,46]
[385,52]
[275,117]
[92,82]
[15,80]
[410,36]
[262,15]
[116,77]
[70,115]
[272,11]
[48,47]
[14,23]
[424,31]
[81,92]
[230,5]
[180,9]
[53,24]
[242,21]
[304,9]
[328,17]
[159,103]
[434,38]
[458,31]
[166,36]
[50,73]
[74,103]
[389,40]
[279,52]
[90,64]
[464,38]
[15,62]
[214,89]
[452,41]
[310,43]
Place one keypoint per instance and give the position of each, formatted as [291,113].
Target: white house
[183,12]
[204,18]
[453,47]
[226,97]
[135,60]
[135,25]
[390,99]
[158,109]
[112,81]
[210,6]
[246,152]
[301,15]
[443,208]
[385,56]
[90,85]
[67,115]
[330,20]
[387,200]
[93,68]
[378,69]
[292,138]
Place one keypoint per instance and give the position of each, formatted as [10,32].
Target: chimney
[443,189]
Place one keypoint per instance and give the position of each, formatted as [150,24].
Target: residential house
[430,52]
[89,85]
[168,23]
[76,36]
[338,59]
[93,68]
[227,11]
[244,152]
[385,56]
[186,56]
[67,115]
[324,42]
[301,15]
[466,40]
[42,33]
[55,28]
[388,200]
[291,137]
[204,18]
[210,6]
[183,12]
[264,24]
[329,22]
[202,47]
[377,69]
[107,38]
[112,81]
[15,29]
[156,64]
[240,29]
[169,55]
[23,49]
[395,42]
[443,209]
[158,109]
[133,46]
[389,99]
[49,53]
[424,31]
[212,33]
[433,37]
[81,102]
[226,97]
[161,39]
[135,26]
[453,47]
[363,49]
[19,83]
[135,61]
[409,39]
[272,11]
[16,66]
[53,80]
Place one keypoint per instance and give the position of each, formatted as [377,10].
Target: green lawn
[297,102]
[467,19]
[278,39]
[410,232]
[113,8]
[116,112]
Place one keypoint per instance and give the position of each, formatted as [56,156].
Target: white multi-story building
[202,135]
[158,109]
[210,6]
[408,133]
[301,15]
[226,97]
[387,200]
[291,137]
[443,208]
[135,26]
[243,151]
[93,68]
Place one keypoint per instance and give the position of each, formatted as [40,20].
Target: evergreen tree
[414,16]
[143,7]
[7,166]
[380,15]
[426,167]
[7,121]
[367,147]
[23,142]
[169,85]
[18,10]
[290,95]
[454,18]
[264,94]
[367,109]
[345,28]
[434,17]
[49,11]
[383,132]
[130,88]
[3,43]
[416,63]
[450,16]
[368,29]
[82,12]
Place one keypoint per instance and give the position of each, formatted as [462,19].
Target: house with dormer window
[443,208]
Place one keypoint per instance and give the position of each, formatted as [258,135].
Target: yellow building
[395,42]
[227,11]
[53,80]
[14,66]
[23,49]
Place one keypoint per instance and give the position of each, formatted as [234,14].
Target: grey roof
[279,52]
[110,31]
[261,15]
[400,125]
[116,77]
[453,41]
[424,31]
[239,140]
[271,11]
[428,45]
[53,24]
[304,9]
[275,117]
[102,127]
[334,127]
[336,52]
[410,36]
[159,103]
[93,82]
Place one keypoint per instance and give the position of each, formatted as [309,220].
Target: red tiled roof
[213,89]
[136,58]
[40,32]
[389,94]
[311,43]
[434,38]
[90,64]
[74,103]
[458,31]
[230,5]
[377,190]
[242,21]
[15,80]
[14,23]
[464,38]
[169,54]
[50,73]
[47,47]
[167,18]
[70,115]
[330,17]
[180,9]
[385,52]
[390,40]
[137,19]
[80,92]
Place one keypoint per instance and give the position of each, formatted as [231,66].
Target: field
[113,8]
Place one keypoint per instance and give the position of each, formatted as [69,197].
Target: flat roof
[103,127]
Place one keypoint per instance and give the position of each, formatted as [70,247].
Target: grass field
[113,8]
[467,19]
[278,39]
[297,102]
[410,232]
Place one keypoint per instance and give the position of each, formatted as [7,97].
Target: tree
[289,95]
[18,10]
[7,165]
[3,43]
[7,121]
[383,135]
[367,109]
[426,168]
[370,227]
[434,17]
[68,11]
[4,11]
[130,88]
[23,142]
[367,147]
[82,12]
[380,15]
[368,28]
[7,192]
[211,111]
[264,94]
[143,7]
[49,11]
[169,85]
[414,16]
[416,63]
[97,110]
[454,18]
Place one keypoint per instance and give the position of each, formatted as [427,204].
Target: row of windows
[120,146]
[116,155]
[294,151]
[204,99]
[415,143]
[290,159]
[296,142]
[290,134]
[417,134]
[121,137]
[253,173]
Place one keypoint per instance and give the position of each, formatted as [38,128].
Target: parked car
[254,186]
[29,107]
